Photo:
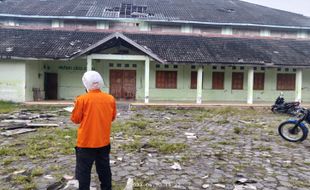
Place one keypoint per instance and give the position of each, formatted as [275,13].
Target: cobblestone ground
[214,148]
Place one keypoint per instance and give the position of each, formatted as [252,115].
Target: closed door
[51,86]
[123,84]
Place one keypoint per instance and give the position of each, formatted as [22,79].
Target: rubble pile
[25,121]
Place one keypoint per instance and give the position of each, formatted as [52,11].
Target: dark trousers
[85,158]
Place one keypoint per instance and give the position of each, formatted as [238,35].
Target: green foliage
[167,148]
[237,130]
[38,171]
[6,107]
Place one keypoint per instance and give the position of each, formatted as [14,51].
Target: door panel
[51,86]
[123,84]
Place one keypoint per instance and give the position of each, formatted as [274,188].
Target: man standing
[94,111]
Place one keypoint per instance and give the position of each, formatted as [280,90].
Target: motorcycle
[295,130]
[280,106]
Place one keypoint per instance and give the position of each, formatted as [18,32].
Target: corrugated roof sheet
[216,11]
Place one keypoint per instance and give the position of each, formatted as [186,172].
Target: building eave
[123,37]
[159,21]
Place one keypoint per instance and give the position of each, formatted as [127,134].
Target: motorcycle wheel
[291,134]
[273,109]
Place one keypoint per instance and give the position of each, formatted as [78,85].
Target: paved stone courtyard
[161,148]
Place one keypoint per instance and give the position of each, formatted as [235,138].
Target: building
[176,50]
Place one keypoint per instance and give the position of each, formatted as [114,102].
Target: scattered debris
[205,186]
[58,185]
[190,135]
[220,185]
[176,166]
[245,184]
[120,159]
[67,137]
[15,121]
[38,125]
[129,185]
[112,162]
[245,187]
[245,122]
[48,177]
[72,184]
[68,177]
[19,172]
[69,109]
[10,133]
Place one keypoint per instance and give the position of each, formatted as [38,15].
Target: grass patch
[6,107]
[132,146]
[9,160]
[138,128]
[237,130]
[263,148]
[167,148]
[45,143]
[38,171]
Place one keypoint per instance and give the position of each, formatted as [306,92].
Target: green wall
[17,80]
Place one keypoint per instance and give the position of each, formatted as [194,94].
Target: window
[285,81]
[259,80]
[166,79]
[218,80]
[237,81]
[194,80]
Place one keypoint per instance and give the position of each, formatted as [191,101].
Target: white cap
[92,80]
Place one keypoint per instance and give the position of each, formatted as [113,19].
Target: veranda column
[298,90]
[250,85]
[89,63]
[199,85]
[147,80]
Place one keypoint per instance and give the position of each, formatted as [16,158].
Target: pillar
[147,80]
[298,90]
[89,63]
[199,85]
[250,85]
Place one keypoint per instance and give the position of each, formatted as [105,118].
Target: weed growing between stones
[167,148]
[38,171]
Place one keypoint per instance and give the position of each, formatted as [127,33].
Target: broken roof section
[180,49]
[197,11]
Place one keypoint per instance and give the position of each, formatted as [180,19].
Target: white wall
[12,81]
[34,79]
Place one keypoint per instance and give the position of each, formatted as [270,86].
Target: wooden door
[51,86]
[123,84]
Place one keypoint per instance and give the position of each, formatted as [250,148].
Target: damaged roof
[205,11]
[176,49]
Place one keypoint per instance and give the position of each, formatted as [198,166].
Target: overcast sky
[297,6]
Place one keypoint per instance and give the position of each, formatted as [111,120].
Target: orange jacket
[94,111]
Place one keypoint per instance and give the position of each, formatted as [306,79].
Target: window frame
[165,81]
[194,75]
[218,80]
[234,81]
[286,80]
[259,85]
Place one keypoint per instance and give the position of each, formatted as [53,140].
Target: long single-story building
[48,64]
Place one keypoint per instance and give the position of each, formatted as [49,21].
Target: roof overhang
[221,24]
[126,39]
